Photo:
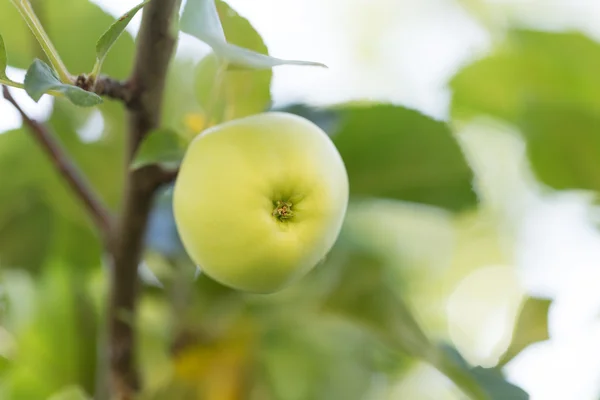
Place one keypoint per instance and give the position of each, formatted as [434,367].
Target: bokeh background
[471,132]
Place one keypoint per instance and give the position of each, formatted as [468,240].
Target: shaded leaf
[326,119]
[531,327]
[494,385]
[57,345]
[161,146]
[563,145]
[201,20]
[398,153]
[3,64]
[109,37]
[26,225]
[40,79]
[365,294]
[3,60]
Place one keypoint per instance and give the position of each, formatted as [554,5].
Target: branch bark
[155,48]
[96,209]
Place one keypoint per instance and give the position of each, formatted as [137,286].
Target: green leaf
[40,216]
[531,327]
[23,211]
[74,34]
[109,37]
[365,293]
[398,153]
[529,66]
[241,92]
[40,79]
[162,146]
[57,345]
[563,145]
[3,59]
[3,64]
[495,386]
[201,20]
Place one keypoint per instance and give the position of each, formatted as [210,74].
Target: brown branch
[66,168]
[155,48]
[105,86]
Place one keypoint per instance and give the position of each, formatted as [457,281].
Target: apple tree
[101,297]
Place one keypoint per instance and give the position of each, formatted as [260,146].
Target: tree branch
[105,86]
[66,168]
[155,48]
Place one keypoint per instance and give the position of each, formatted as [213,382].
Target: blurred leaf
[3,60]
[219,367]
[26,224]
[531,327]
[529,66]
[40,79]
[70,393]
[490,380]
[563,145]
[398,153]
[326,119]
[74,34]
[109,37]
[17,35]
[3,63]
[365,294]
[58,345]
[316,358]
[201,20]
[243,92]
[41,214]
[181,101]
[161,146]
[99,161]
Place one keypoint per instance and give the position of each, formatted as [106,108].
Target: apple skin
[226,195]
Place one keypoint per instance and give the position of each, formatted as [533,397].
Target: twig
[155,47]
[105,86]
[67,169]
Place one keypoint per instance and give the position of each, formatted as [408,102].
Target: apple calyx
[283,210]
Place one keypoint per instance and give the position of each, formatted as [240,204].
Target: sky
[404,52]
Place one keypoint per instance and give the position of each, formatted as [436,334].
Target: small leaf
[239,92]
[531,327]
[241,58]
[40,79]
[201,20]
[114,32]
[162,146]
[3,63]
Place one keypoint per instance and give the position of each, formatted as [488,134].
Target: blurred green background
[467,265]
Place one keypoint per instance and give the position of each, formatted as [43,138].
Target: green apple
[260,200]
